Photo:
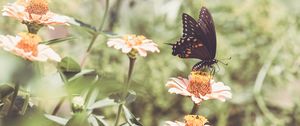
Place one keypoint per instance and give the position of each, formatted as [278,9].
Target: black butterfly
[198,40]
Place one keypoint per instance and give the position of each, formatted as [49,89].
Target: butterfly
[198,40]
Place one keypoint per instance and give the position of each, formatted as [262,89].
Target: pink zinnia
[134,44]
[35,12]
[199,86]
[27,46]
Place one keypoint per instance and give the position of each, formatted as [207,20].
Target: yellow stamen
[199,83]
[133,40]
[29,43]
[194,120]
[39,7]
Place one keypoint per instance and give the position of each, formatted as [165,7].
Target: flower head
[132,44]
[190,120]
[77,104]
[34,12]
[27,46]
[199,86]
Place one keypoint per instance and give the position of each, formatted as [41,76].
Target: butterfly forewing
[191,27]
[208,28]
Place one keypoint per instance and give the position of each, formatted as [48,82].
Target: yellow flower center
[133,40]
[194,120]
[199,83]
[39,7]
[29,43]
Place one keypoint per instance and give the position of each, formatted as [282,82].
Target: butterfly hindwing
[190,47]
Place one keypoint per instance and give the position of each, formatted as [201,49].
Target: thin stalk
[194,109]
[95,35]
[260,81]
[17,87]
[131,65]
[127,84]
[118,115]
[105,15]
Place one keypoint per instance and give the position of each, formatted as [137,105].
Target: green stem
[131,65]
[118,115]
[17,87]
[105,15]
[127,84]
[260,81]
[194,109]
[95,35]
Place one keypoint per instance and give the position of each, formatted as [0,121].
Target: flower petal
[176,123]
[46,52]
[178,86]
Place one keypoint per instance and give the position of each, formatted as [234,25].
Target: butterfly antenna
[218,67]
[222,61]
[169,44]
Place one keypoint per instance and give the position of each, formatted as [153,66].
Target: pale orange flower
[34,11]
[134,44]
[199,86]
[27,46]
[189,120]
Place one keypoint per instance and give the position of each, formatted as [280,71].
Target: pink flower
[34,11]
[189,120]
[134,44]
[27,46]
[199,87]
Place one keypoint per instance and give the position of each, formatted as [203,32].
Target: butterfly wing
[188,47]
[191,44]
[208,29]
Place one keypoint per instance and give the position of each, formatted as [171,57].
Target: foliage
[260,36]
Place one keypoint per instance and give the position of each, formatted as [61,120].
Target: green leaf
[84,25]
[93,121]
[125,124]
[131,96]
[79,119]
[101,120]
[130,118]
[58,40]
[103,103]
[108,34]
[5,90]
[59,120]
[82,81]
[68,67]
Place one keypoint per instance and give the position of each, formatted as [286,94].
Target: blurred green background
[261,37]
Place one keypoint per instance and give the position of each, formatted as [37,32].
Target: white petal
[142,52]
[196,99]
[45,51]
[176,123]
[177,86]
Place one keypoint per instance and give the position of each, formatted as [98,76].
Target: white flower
[199,87]
[34,11]
[27,46]
[133,43]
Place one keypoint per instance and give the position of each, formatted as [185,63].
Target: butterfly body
[198,40]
